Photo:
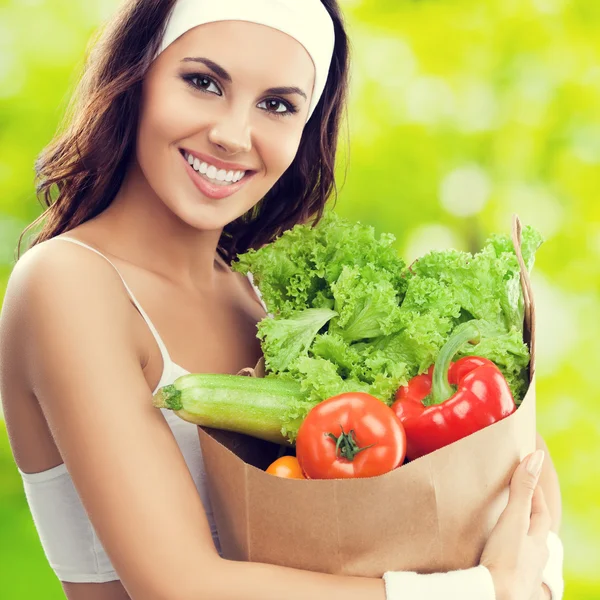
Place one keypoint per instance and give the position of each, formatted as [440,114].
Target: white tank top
[66,533]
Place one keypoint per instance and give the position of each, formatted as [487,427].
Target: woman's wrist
[553,571]
[467,584]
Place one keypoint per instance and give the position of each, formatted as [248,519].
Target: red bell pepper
[452,400]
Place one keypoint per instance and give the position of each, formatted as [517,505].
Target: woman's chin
[209,216]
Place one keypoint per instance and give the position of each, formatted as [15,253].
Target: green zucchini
[255,406]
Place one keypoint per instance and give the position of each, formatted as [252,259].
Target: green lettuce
[297,271]
[286,340]
[348,314]
[367,304]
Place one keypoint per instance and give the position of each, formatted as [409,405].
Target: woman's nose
[232,134]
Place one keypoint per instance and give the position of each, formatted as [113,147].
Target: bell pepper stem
[441,390]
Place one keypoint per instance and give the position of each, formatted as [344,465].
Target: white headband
[307,21]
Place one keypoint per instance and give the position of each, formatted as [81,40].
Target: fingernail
[535,462]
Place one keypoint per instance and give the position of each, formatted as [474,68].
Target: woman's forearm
[549,483]
[551,487]
[270,582]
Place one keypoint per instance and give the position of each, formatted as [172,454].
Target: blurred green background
[462,112]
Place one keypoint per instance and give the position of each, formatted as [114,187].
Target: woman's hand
[516,552]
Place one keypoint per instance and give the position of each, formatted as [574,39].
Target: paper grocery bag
[432,514]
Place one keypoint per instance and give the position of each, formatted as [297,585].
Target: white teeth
[211,172]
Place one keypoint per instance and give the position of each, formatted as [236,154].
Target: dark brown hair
[79,173]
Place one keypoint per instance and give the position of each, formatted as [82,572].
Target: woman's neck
[143,230]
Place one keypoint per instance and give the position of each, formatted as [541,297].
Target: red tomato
[350,435]
[286,466]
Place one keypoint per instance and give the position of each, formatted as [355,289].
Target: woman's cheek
[285,150]
[175,119]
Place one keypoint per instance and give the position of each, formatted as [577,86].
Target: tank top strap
[161,344]
[259,297]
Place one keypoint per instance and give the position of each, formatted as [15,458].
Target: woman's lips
[211,190]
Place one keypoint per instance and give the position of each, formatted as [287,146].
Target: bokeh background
[462,112]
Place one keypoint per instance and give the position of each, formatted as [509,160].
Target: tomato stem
[346,445]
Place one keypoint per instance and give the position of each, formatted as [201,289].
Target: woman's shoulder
[56,267]
[64,318]
[55,284]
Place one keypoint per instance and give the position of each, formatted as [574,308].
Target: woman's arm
[549,483]
[85,370]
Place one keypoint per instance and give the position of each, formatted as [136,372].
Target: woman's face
[225,99]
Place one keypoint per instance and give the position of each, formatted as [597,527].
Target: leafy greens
[348,314]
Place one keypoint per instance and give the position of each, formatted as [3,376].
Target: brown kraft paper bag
[433,514]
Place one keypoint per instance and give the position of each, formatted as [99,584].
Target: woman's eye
[277,106]
[204,83]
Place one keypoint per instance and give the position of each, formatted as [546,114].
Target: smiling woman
[200,129]
[229,105]
[238,90]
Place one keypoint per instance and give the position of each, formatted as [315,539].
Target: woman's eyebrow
[220,71]
[282,91]
[223,74]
